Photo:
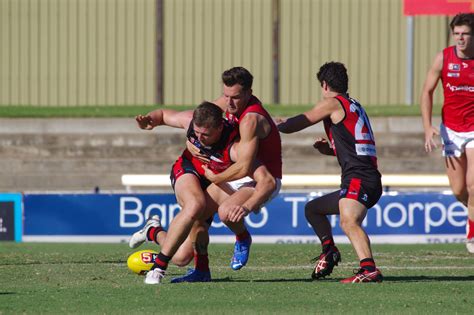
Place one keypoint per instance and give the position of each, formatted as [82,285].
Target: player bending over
[196,195]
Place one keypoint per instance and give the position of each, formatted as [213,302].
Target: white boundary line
[274,239]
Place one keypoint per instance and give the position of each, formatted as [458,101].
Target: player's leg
[470,202]
[456,168]
[152,231]
[192,200]
[243,238]
[195,247]
[316,212]
[197,243]
[352,214]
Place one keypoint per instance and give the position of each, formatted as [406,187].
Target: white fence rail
[304,181]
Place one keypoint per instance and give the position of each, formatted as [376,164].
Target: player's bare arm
[323,109]
[248,147]
[166,117]
[265,186]
[426,105]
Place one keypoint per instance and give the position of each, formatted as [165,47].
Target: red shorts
[184,166]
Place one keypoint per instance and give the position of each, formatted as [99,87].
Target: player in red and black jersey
[351,140]
[197,197]
[455,67]
[259,141]
[218,154]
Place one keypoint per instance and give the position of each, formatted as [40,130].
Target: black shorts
[184,166]
[367,192]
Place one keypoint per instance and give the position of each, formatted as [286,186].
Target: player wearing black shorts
[351,140]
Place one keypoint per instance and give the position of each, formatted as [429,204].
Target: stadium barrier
[306,181]
[398,217]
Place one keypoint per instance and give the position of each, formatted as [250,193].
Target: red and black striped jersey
[353,141]
[218,153]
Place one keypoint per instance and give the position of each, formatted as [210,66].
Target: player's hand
[430,142]
[196,152]
[322,145]
[144,122]
[279,121]
[209,174]
[237,213]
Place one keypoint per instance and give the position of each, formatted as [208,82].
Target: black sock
[368,264]
[161,261]
[327,242]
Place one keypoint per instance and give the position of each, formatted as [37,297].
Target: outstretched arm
[426,105]
[299,122]
[166,117]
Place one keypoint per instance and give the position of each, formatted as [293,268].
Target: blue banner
[397,218]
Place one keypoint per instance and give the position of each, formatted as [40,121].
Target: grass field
[131,111]
[93,278]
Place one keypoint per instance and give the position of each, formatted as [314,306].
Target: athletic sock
[470,229]
[242,236]
[152,234]
[367,264]
[161,261]
[201,262]
[327,242]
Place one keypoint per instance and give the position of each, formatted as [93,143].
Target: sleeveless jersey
[353,141]
[218,153]
[457,76]
[269,148]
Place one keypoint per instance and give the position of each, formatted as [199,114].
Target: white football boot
[470,245]
[139,237]
[154,276]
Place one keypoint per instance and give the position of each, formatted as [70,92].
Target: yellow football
[140,262]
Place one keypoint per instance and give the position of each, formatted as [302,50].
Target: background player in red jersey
[455,67]
[259,140]
[194,192]
[352,141]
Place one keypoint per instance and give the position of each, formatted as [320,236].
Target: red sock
[161,261]
[152,234]
[327,242]
[470,228]
[242,236]
[201,262]
[368,264]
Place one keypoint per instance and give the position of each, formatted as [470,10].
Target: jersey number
[362,121]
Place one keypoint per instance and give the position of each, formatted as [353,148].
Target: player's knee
[194,209]
[347,224]
[223,213]
[462,193]
[470,189]
[182,259]
[308,212]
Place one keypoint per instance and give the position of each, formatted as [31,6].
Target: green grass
[130,111]
[93,278]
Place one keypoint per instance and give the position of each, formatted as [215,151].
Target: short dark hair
[238,75]
[335,75]
[208,115]
[463,19]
